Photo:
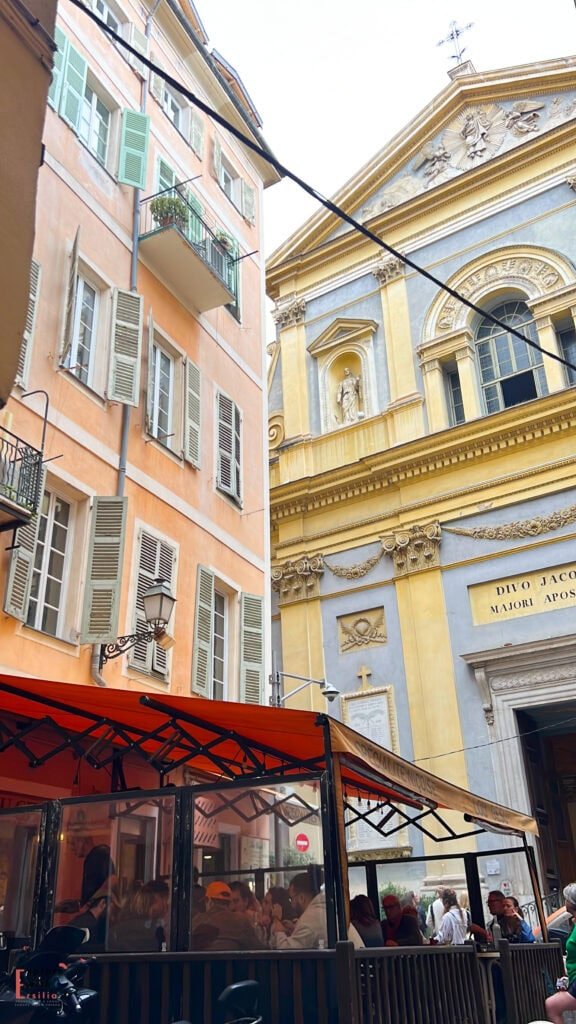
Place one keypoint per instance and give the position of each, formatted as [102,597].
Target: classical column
[434,389]
[555,372]
[468,374]
[405,399]
[430,677]
[289,317]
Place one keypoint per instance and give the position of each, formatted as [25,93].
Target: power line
[323,200]
[492,743]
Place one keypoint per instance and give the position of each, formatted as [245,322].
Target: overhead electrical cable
[493,743]
[323,200]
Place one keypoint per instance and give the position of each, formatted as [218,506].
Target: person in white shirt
[454,924]
[310,931]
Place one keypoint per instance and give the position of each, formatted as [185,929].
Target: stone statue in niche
[348,395]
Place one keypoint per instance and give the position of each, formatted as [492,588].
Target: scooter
[43,987]
[237,1004]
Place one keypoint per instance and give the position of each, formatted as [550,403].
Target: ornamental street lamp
[278,698]
[158,604]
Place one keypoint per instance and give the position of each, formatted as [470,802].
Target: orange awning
[224,739]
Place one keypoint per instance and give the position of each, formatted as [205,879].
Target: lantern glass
[158,604]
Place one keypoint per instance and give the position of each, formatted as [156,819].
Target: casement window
[80,359]
[173,106]
[29,327]
[173,415]
[511,372]
[239,192]
[567,339]
[94,126]
[454,396]
[156,559]
[49,568]
[229,447]
[217,636]
[107,14]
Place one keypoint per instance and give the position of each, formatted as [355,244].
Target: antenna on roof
[453,37]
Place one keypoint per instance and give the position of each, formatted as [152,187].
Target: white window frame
[173,108]
[535,359]
[82,282]
[54,495]
[93,137]
[221,595]
[231,182]
[109,13]
[163,437]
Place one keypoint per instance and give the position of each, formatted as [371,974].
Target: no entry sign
[302,842]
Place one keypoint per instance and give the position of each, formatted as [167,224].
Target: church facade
[423,510]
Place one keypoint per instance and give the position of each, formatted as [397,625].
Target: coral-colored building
[145,332]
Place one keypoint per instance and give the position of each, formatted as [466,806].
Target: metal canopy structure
[226,741]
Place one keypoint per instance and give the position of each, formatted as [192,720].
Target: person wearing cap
[219,927]
[399,929]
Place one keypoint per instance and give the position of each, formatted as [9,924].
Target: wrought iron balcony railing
[20,471]
[176,208]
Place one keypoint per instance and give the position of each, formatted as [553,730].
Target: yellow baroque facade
[422,456]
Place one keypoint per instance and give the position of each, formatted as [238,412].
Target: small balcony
[193,259]
[20,470]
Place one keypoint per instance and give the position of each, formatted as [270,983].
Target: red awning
[224,739]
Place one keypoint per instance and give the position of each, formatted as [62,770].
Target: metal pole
[474,889]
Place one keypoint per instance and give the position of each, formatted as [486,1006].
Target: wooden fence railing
[528,970]
[431,984]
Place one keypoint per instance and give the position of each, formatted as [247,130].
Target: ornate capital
[388,268]
[300,580]
[571,182]
[289,313]
[416,548]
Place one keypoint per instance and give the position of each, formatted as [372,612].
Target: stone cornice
[428,455]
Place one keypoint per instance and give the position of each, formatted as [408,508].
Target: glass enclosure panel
[508,873]
[416,884]
[19,845]
[249,846]
[114,871]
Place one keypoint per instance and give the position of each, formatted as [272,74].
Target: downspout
[127,409]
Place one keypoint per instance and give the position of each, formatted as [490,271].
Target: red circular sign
[302,842]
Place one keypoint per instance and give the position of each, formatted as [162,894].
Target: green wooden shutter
[251,649]
[203,633]
[225,454]
[141,654]
[105,555]
[166,566]
[150,383]
[166,175]
[73,86]
[192,413]
[248,202]
[55,90]
[217,160]
[195,224]
[139,41]
[133,149]
[22,562]
[196,136]
[28,335]
[70,301]
[126,347]
[237,459]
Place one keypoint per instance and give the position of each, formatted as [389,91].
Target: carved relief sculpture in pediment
[417,547]
[299,580]
[475,135]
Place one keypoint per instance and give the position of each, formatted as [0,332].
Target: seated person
[514,927]
[276,897]
[364,919]
[309,905]
[244,901]
[219,927]
[399,929]
[97,915]
[140,925]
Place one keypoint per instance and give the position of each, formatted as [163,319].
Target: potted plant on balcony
[170,211]
[224,241]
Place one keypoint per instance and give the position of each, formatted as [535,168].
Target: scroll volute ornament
[299,580]
[415,548]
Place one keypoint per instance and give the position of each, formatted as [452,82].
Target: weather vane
[454,38]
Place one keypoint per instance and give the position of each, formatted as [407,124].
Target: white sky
[334,80]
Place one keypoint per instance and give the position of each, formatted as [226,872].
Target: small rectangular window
[162,398]
[81,356]
[107,15]
[50,564]
[94,126]
[455,401]
[568,346]
[219,648]
[230,182]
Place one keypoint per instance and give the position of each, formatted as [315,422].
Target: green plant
[224,240]
[169,210]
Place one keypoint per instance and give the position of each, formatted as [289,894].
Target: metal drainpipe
[127,409]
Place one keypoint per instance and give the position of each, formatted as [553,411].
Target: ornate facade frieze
[354,572]
[388,268]
[415,548]
[287,314]
[298,580]
[520,528]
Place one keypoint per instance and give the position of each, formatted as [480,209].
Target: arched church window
[510,371]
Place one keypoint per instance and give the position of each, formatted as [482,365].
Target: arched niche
[346,345]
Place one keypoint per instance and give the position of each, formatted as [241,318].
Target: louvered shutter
[192,412]
[157,87]
[225,453]
[166,176]
[139,41]
[251,649]
[73,86]
[133,149]
[26,343]
[217,160]
[126,347]
[248,202]
[237,460]
[105,555]
[150,385]
[22,562]
[55,90]
[70,302]
[197,134]
[166,559]
[203,633]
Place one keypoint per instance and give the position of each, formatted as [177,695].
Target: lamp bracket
[125,643]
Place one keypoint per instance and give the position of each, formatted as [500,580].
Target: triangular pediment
[476,119]
[342,331]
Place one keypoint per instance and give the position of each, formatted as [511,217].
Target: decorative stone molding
[360,630]
[388,268]
[275,431]
[300,580]
[520,528]
[354,572]
[571,182]
[413,549]
[289,313]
